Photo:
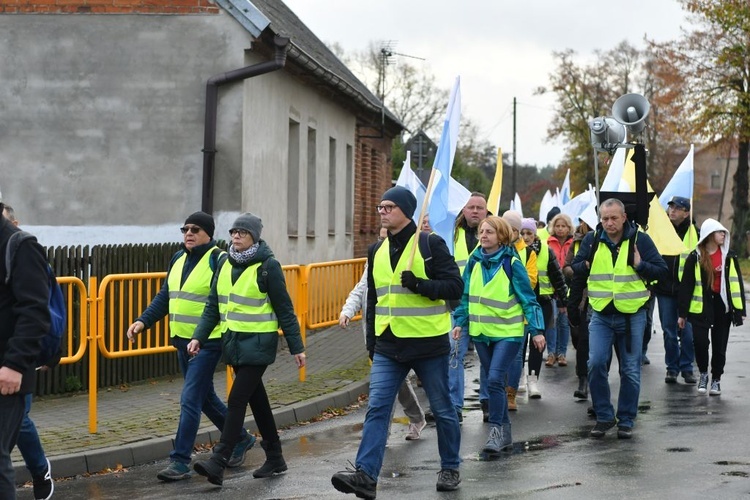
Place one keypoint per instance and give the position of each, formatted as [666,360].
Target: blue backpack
[52,341]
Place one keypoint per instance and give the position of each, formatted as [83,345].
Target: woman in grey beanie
[250,299]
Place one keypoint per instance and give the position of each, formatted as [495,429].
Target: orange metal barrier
[104,312]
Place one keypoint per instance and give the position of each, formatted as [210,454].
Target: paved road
[685,445]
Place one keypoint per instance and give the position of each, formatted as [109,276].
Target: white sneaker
[534,392]
[415,431]
[522,384]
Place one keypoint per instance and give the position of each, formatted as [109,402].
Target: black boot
[213,468]
[582,393]
[274,463]
[485,410]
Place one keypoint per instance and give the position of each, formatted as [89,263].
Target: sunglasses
[192,229]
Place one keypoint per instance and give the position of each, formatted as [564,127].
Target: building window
[311,180]
[332,191]
[349,189]
[716,180]
[292,183]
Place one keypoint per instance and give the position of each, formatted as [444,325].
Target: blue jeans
[558,334]
[605,331]
[679,351]
[550,331]
[456,370]
[29,444]
[496,358]
[386,377]
[11,416]
[197,396]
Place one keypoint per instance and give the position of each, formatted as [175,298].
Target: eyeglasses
[192,229]
[385,208]
[241,232]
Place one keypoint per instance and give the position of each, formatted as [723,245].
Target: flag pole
[427,197]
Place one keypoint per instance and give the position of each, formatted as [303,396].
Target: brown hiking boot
[511,392]
[550,360]
[561,361]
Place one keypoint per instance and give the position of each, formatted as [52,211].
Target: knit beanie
[403,198]
[250,223]
[513,218]
[203,221]
[551,214]
[528,223]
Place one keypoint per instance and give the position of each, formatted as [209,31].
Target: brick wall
[108,7]
[373,172]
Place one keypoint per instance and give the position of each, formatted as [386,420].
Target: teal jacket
[254,348]
[519,282]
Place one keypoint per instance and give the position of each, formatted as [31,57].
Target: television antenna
[386,58]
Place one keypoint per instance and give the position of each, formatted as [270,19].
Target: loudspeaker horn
[606,133]
[631,110]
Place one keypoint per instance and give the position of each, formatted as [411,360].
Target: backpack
[52,341]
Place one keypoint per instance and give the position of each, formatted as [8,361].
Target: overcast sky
[501,49]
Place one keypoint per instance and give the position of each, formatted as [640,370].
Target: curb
[151,450]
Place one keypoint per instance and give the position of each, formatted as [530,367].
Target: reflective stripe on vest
[542,264]
[407,313]
[500,316]
[619,282]
[242,306]
[690,240]
[186,301]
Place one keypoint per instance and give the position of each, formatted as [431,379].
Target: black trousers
[718,342]
[580,338]
[247,389]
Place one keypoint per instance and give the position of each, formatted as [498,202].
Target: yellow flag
[660,228]
[493,202]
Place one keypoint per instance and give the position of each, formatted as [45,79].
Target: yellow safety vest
[408,314]
[186,301]
[493,310]
[242,306]
[542,264]
[619,282]
[690,240]
[735,294]
[460,251]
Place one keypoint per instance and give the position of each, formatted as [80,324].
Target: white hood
[708,227]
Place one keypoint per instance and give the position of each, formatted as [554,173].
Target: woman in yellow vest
[250,301]
[711,296]
[497,297]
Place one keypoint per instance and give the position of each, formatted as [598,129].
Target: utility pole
[513,182]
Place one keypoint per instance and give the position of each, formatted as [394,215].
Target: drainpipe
[281,45]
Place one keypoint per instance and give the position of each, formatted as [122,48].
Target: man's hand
[680,323]
[408,280]
[10,381]
[134,330]
[344,321]
[300,359]
[194,347]
[456,332]
[539,341]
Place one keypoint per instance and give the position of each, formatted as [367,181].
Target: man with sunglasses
[183,296]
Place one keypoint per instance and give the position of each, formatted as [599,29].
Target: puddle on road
[735,473]
[678,450]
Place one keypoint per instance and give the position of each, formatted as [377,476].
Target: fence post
[92,339]
[304,305]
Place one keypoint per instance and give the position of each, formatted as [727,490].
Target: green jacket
[255,348]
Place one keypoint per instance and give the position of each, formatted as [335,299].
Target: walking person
[614,263]
[248,303]
[711,297]
[679,352]
[408,324]
[182,296]
[550,287]
[557,340]
[357,300]
[497,297]
[29,443]
[24,319]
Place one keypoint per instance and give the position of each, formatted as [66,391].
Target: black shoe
[582,393]
[448,480]
[689,378]
[44,486]
[212,469]
[274,463]
[645,359]
[428,416]
[624,432]
[485,410]
[590,412]
[671,378]
[601,428]
[355,481]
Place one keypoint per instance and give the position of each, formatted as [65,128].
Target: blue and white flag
[565,191]
[408,179]
[682,181]
[440,219]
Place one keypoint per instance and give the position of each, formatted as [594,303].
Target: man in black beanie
[544,233]
[183,296]
[408,320]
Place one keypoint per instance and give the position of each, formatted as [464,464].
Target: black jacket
[24,313]
[670,284]
[444,283]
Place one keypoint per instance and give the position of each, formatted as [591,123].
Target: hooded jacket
[687,285]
